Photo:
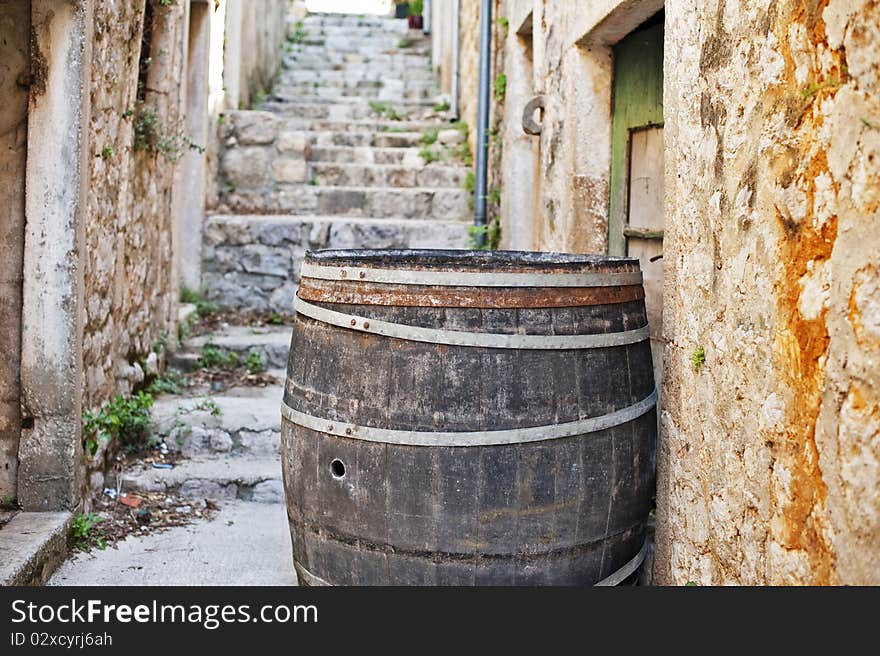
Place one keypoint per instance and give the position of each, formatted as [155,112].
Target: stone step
[365,125]
[253,262]
[271,342]
[361,31]
[323,20]
[381,42]
[418,203]
[388,139]
[295,102]
[350,75]
[343,23]
[240,421]
[32,545]
[356,66]
[291,136]
[215,478]
[351,82]
[389,62]
[325,173]
[384,92]
[341,46]
[366,155]
[345,109]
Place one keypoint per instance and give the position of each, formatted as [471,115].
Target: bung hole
[337,468]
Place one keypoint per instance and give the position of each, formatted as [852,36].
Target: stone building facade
[106,110]
[733,147]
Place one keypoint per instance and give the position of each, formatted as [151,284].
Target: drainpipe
[482,176]
[426,20]
[456,35]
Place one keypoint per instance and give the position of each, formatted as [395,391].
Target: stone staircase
[331,159]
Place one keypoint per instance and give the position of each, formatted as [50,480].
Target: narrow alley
[351,148]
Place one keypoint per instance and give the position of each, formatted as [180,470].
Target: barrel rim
[428,258]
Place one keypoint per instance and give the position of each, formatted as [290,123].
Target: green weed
[126,419]
[214,357]
[204,307]
[254,362]
[500,87]
[698,357]
[489,234]
[85,532]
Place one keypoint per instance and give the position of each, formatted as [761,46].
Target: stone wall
[770,467]
[129,295]
[255,32]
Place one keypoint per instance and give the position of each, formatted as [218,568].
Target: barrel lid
[468,260]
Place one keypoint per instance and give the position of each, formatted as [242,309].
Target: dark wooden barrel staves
[468,418]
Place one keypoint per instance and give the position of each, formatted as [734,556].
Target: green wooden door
[635,226]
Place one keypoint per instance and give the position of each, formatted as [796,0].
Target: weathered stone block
[293,143]
[290,171]
[205,489]
[246,167]
[268,492]
[231,291]
[220,441]
[342,201]
[266,260]
[411,205]
[450,204]
[255,128]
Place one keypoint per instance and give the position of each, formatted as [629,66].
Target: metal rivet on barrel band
[473,278]
[461,338]
[471,438]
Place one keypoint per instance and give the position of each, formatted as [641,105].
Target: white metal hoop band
[461,338]
[615,578]
[470,438]
[471,278]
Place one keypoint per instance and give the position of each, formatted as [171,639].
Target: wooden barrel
[468,418]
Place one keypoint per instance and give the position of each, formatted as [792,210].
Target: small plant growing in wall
[124,419]
[504,24]
[107,152]
[8,502]
[299,33]
[698,357]
[151,135]
[470,184]
[489,235]
[86,533]
[500,87]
